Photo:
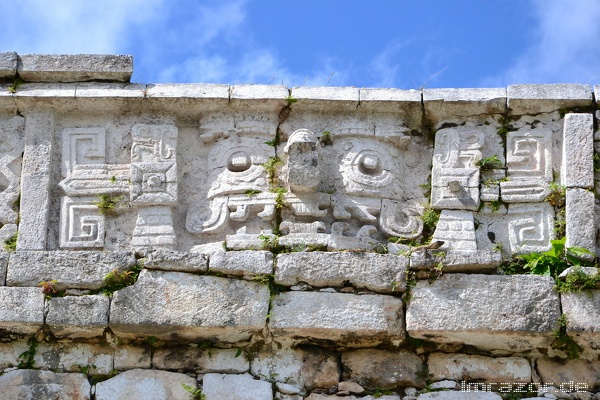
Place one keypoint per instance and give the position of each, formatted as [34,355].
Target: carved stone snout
[303,174]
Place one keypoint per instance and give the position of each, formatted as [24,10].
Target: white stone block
[540,98]
[481,311]
[580,210]
[377,272]
[78,316]
[463,367]
[74,357]
[325,98]
[247,263]
[175,304]
[142,384]
[235,387]
[578,151]
[583,317]
[442,104]
[10,353]
[130,357]
[365,320]
[33,384]
[21,309]
[75,67]
[8,64]
[168,260]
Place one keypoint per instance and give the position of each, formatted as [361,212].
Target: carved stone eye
[369,165]
[239,162]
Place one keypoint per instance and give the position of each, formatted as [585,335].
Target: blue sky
[408,44]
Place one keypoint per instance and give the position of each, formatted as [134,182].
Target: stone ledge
[8,65]
[325,98]
[583,317]
[74,68]
[538,98]
[242,263]
[21,309]
[70,269]
[168,260]
[482,311]
[378,272]
[347,319]
[78,316]
[457,261]
[442,104]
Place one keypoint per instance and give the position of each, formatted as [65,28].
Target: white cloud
[564,47]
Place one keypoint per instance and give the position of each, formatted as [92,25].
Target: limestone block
[78,316]
[129,357]
[318,396]
[8,64]
[480,310]
[580,371]
[527,228]
[200,360]
[450,395]
[3,265]
[145,384]
[578,151]
[580,209]
[442,104]
[377,272]
[583,317]
[10,352]
[216,93]
[536,98]
[456,260]
[325,98]
[74,68]
[379,369]
[463,367]
[75,270]
[34,384]
[110,97]
[246,263]
[305,370]
[168,305]
[21,309]
[10,170]
[457,230]
[235,387]
[168,260]
[353,320]
[72,357]
[35,181]
[407,102]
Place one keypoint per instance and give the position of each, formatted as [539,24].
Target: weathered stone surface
[456,260]
[21,309]
[3,265]
[168,260]
[246,263]
[377,272]
[74,357]
[579,371]
[31,384]
[391,100]
[580,207]
[462,367]
[481,310]
[351,387]
[8,64]
[318,396]
[375,369]
[78,316]
[200,360]
[459,396]
[74,68]
[303,369]
[441,104]
[350,319]
[145,384]
[129,357]
[535,98]
[235,387]
[583,317]
[578,151]
[314,97]
[35,181]
[10,352]
[171,305]
[76,270]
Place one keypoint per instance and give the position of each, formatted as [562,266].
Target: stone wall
[259,242]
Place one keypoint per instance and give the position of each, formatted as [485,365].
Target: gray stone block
[539,98]
[259,92]
[200,360]
[325,98]
[129,357]
[78,316]
[482,311]
[70,269]
[456,260]
[442,104]
[405,102]
[168,260]
[72,357]
[21,309]
[247,263]
[580,210]
[138,384]
[235,387]
[33,384]
[377,272]
[3,265]
[462,395]
[583,317]
[583,372]
[578,151]
[171,305]
[8,64]
[463,367]
[365,320]
[75,68]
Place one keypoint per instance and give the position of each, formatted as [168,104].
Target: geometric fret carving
[81,223]
[530,227]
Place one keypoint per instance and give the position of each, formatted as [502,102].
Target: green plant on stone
[291,100]
[557,194]
[578,281]
[554,261]
[564,342]
[117,280]
[430,219]
[107,204]
[252,192]
[26,359]
[488,164]
[10,244]
[12,89]
[197,393]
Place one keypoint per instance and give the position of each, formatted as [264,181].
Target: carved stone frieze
[530,227]
[82,224]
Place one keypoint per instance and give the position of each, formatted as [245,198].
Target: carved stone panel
[457,230]
[81,224]
[530,227]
